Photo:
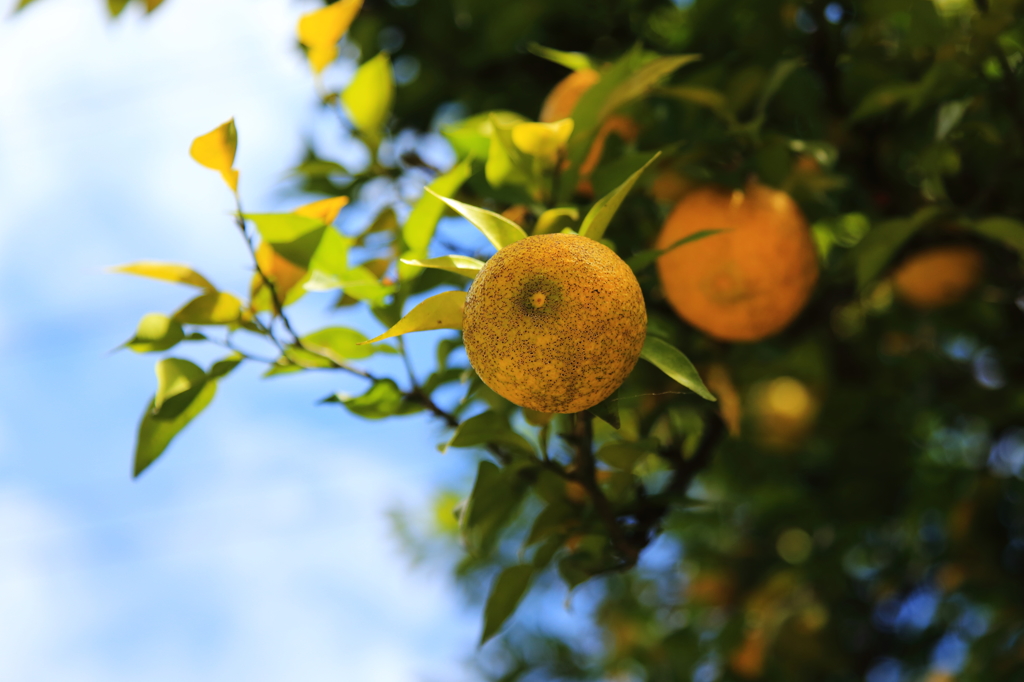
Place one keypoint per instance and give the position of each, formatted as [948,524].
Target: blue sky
[258,548]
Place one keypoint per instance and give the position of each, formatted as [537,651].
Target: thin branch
[584,460]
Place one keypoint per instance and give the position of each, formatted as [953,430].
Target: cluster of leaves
[854,502]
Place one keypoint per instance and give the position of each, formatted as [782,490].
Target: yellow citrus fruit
[747,282]
[939,276]
[554,322]
[566,94]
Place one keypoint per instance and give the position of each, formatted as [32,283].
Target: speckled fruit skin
[749,282]
[939,276]
[554,323]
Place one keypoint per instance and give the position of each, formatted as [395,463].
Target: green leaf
[643,259]
[156,434]
[168,272]
[643,80]
[556,219]
[384,399]
[419,227]
[576,61]
[341,344]
[507,591]
[624,455]
[368,98]
[496,495]
[443,311]
[283,228]
[778,76]
[1006,231]
[608,410]
[488,428]
[702,96]
[156,332]
[460,265]
[498,229]
[471,137]
[879,245]
[554,519]
[677,366]
[601,214]
[506,164]
[224,366]
[882,99]
[359,283]
[211,308]
[174,377]
[331,255]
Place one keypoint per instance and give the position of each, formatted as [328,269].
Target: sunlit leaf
[460,265]
[168,272]
[283,273]
[556,219]
[506,593]
[600,215]
[577,61]
[384,399]
[498,229]
[543,140]
[643,80]
[443,311]
[216,150]
[419,227]
[677,366]
[369,96]
[321,30]
[325,210]
[175,376]
[156,332]
[506,164]
[156,434]
[211,308]
[471,137]
[279,228]
[341,344]
[224,366]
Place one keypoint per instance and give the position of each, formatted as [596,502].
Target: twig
[584,460]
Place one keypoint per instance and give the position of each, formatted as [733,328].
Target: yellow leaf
[210,308]
[319,57]
[216,149]
[231,177]
[169,272]
[282,272]
[325,209]
[369,96]
[325,27]
[543,140]
[443,311]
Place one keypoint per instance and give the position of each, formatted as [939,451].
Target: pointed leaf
[608,410]
[643,80]
[326,26]
[384,399]
[498,229]
[280,228]
[368,98]
[211,308]
[156,332]
[168,272]
[507,591]
[224,367]
[879,245]
[488,428]
[556,219]
[175,376]
[216,150]
[443,311]
[577,61]
[419,227]
[155,434]
[340,344]
[325,210]
[672,362]
[460,265]
[598,218]
[641,260]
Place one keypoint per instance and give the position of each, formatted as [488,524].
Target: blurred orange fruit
[939,276]
[566,94]
[748,282]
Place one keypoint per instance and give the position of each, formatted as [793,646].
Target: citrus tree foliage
[851,505]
